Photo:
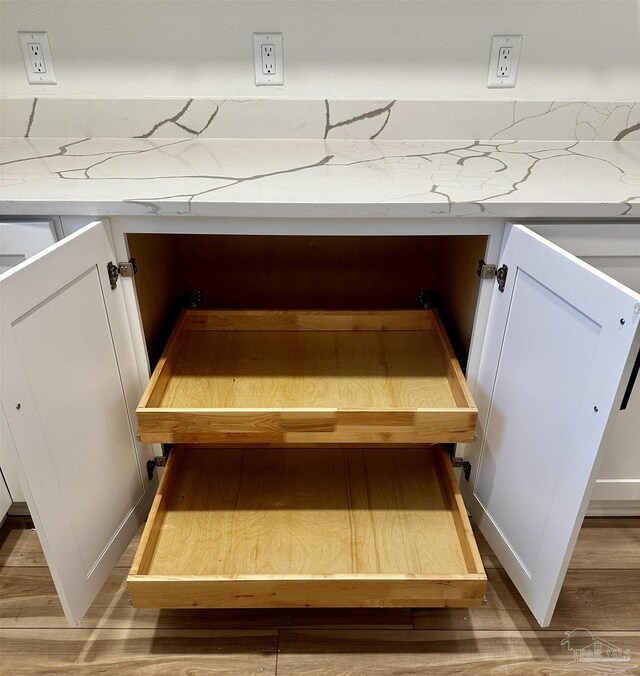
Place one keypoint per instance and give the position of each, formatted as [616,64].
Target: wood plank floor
[601,594]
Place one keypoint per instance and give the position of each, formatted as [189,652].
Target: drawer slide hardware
[465,464]
[195,298]
[128,269]
[425,300]
[158,461]
[487,271]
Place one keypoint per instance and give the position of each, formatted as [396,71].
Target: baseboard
[614,508]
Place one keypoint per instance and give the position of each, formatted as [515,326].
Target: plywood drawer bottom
[307,377]
[321,527]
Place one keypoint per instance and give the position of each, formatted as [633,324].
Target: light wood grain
[147,651]
[161,293]
[601,591]
[604,542]
[307,527]
[313,272]
[308,427]
[323,369]
[466,538]
[589,598]
[455,376]
[155,519]
[28,599]
[310,320]
[383,377]
[608,543]
[457,289]
[163,371]
[319,272]
[476,653]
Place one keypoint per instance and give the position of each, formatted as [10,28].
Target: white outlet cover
[277,77]
[27,37]
[498,41]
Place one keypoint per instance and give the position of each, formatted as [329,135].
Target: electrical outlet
[505,56]
[503,63]
[38,61]
[36,58]
[268,58]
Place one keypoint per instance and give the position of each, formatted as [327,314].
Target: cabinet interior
[306,272]
[301,395]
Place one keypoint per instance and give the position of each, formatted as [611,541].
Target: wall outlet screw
[595,408]
[18,407]
[622,320]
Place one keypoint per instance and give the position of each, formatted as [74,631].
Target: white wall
[411,49]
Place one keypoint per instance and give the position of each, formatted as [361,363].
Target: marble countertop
[316,178]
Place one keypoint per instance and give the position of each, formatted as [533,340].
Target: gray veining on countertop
[52,117]
[315,178]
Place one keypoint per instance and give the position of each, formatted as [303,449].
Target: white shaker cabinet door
[69,389]
[559,350]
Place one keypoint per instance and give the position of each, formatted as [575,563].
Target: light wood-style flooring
[601,593]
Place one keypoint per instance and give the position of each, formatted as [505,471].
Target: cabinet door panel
[69,390]
[19,240]
[560,342]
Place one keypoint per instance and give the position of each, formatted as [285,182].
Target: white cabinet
[558,353]
[19,240]
[69,388]
[614,250]
[551,354]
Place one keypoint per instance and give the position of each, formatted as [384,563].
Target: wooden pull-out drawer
[320,527]
[313,377]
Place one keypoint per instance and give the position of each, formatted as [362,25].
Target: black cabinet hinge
[158,461]
[425,300]
[128,269]
[464,464]
[487,271]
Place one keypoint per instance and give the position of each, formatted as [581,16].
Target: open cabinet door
[69,388]
[559,351]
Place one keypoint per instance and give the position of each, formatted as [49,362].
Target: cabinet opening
[236,272]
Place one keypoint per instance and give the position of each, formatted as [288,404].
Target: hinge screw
[622,320]
[595,408]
